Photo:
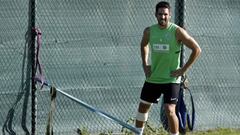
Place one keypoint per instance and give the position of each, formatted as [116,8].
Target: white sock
[174,134]
[141,131]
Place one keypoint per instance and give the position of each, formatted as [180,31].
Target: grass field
[219,131]
[150,131]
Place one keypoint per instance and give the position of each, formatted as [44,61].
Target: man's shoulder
[147,30]
[173,25]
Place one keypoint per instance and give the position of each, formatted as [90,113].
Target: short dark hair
[163,4]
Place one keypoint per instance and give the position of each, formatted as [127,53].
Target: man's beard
[162,22]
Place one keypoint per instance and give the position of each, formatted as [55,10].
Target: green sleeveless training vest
[165,54]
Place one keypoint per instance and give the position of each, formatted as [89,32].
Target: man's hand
[147,70]
[178,72]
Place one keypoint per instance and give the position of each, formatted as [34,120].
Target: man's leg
[172,118]
[142,115]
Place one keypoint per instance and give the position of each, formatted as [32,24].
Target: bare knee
[170,109]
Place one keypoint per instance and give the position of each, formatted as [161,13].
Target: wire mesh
[91,50]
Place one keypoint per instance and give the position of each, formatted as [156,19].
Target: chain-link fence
[91,50]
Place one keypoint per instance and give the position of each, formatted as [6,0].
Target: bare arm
[144,47]
[187,40]
[145,52]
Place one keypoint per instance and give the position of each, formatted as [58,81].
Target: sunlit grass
[150,130]
[161,131]
[219,131]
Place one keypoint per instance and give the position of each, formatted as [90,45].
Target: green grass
[219,131]
[161,131]
[151,130]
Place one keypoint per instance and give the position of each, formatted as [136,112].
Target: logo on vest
[163,48]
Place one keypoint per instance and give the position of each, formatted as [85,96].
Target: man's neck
[163,26]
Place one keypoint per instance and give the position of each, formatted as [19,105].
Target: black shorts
[151,92]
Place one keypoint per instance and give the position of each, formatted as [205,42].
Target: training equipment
[91,108]
[185,109]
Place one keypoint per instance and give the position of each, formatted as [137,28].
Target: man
[163,75]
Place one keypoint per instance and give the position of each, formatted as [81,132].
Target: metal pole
[180,20]
[32,58]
